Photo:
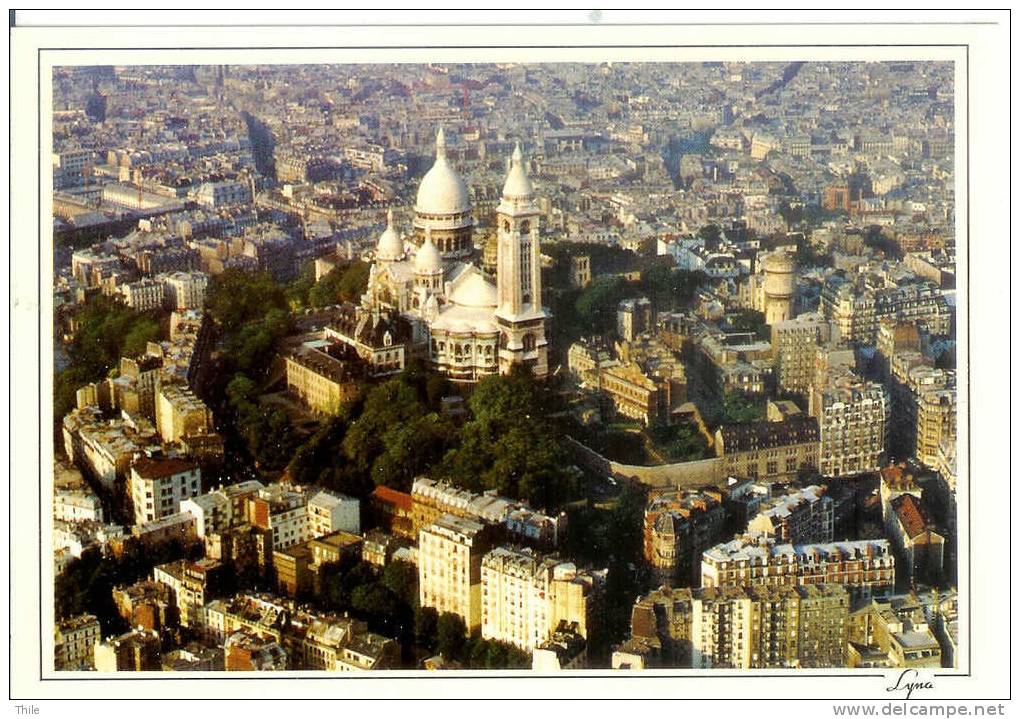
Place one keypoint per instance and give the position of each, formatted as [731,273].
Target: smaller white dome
[428,260]
[390,247]
[517,185]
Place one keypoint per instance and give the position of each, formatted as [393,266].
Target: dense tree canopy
[236,297]
[266,430]
[397,436]
[510,445]
[595,307]
[681,442]
[107,330]
[87,584]
[734,408]
[671,289]
[342,284]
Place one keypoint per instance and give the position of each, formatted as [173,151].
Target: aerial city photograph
[503,366]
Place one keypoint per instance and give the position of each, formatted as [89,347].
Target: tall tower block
[519,314]
[780,287]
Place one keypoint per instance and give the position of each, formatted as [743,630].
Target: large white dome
[442,191]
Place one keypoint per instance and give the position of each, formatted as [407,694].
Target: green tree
[236,297]
[510,445]
[143,330]
[251,347]
[341,284]
[297,291]
[680,442]
[739,408]
[426,627]
[401,578]
[451,635]
[596,305]
[711,234]
[671,289]
[396,437]
[106,331]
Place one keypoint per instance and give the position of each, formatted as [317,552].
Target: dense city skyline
[493,366]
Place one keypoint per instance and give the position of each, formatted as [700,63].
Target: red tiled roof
[911,514]
[148,467]
[391,496]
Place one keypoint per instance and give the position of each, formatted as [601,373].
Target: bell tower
[519,314]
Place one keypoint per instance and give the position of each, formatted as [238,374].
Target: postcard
[571,355]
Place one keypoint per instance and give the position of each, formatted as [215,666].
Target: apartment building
[74,641]
[853,416]
[185,290]
[757,627]
[678,526]
[147,604]
[193,583]
[858,310]
[158,485]
[144,295]
[135,651]
[296,514]
[77,505]
[866,567]
[450,552]
[430,499]
[180,413]
[804,516]
[221,508]
[775,450]
[311,640]
[920,547]
[893,633]
[324,375]
[794,344]
[526,596]
[106,448]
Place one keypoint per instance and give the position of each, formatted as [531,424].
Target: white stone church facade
[463,325]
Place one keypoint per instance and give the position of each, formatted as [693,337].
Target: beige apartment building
[802,517]
[775,450]
[192,583]
[853,416]
[794,344]
[74,641]
[450,552]
[894,633]
[311,640]
[135,651]
[866,567]
[179,413]
[323,375]
[144,295]
[758,627]
[678,526]
[858,310]
[526,596]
